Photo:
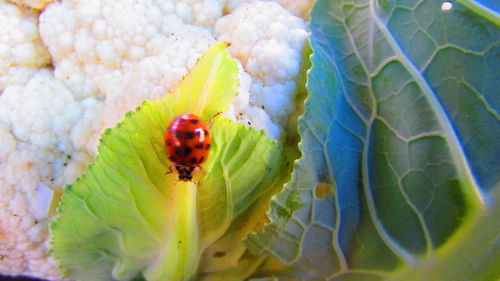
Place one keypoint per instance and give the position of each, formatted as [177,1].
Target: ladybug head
[185,172]
[185,177]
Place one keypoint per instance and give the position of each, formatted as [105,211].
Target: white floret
[123,51]
[38,156]
[35,4]
[16,75]
[268,41]
[200,12]
[20,44]
[44,117]
[299,8]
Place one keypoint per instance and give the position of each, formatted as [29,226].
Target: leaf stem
[180,255]
[186,226]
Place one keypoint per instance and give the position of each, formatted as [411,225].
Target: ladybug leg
[170,169]
[211,121]
[199,170]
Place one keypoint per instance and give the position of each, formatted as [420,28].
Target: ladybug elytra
[187,143]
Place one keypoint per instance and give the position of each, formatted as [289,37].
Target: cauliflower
[38,121]
[73,70]
[21,50]
[268,41]
[296,7]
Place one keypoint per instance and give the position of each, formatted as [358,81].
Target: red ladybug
[187,143]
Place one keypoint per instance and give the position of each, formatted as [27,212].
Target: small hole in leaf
[446,6]
[219,254]
[323,190]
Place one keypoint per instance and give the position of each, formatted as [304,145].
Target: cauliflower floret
[268,41]
[35,4]
[38,125]
[204,12]
[16,75]
[20,44]
[92,43]
[299,8]
[122,62]
[242,111]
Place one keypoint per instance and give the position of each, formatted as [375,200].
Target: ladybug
[187,144]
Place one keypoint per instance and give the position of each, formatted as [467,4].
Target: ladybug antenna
[211,121]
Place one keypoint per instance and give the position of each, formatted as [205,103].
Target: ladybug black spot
[172,158]
[182,151]
[193,160]
[181,170]
[194,121]
[201,159]
[207,146]
[185,177]
[206,132]
[199,145]
[184,135]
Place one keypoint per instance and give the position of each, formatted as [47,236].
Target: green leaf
[126,217]
[399,171]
